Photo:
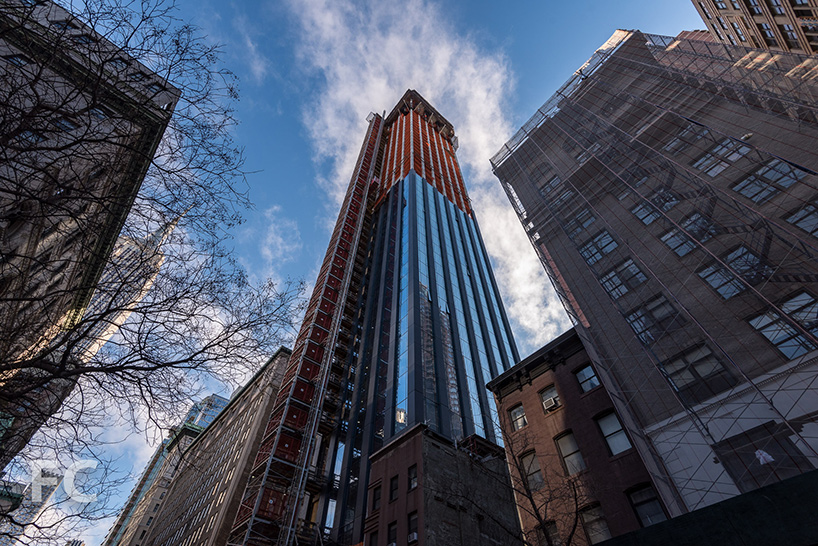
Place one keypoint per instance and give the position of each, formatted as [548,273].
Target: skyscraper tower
[405,326]
[669,188]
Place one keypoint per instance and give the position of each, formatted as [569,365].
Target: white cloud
[281,241]
[259,64]
[368,53]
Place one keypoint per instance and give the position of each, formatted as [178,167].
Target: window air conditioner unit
[549,403]
[413,537]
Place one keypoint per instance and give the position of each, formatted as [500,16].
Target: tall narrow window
[550,398]
[412,526]
[569,451]
[392,533]
[413,476]
[518,419]
[531,471]
[614,435]
[376,498]
[393,488]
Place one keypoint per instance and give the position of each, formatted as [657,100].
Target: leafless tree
[91,182]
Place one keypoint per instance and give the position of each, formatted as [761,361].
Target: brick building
[425,490]
[574,470]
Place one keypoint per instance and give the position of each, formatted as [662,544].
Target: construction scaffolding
[669,189]
[311,389]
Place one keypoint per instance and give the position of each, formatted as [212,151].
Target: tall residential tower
[405,326]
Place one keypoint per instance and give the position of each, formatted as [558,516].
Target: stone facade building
[204,494]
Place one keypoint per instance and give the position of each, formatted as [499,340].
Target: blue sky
[310,71]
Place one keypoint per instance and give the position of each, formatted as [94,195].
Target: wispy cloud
[281,241]
[258,64]
[368,53]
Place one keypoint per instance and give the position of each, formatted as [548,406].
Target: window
[614,435]
[137,76]
[155,88]
[580,223]
[551,532]
[593,521]
[142,534]
[803,309]
[63,25]
[412,525]
[776,7]
[376,498]
[569,451]
[768,180]
[754,7]
[518,419]
[744,262]
[769,35]
[550,398]
[18,60]
[393,488]
[646,213]
[531,471]
[64,124]
[647,506]
[738,31]
[118,64]
[721,156]
[30,137]
[156,507]
[705,10]
[587,378]
[550,185]
[678,242]
[806,218]
[373,538]
[150,520]
[702,228]
[596,248]
[83,39]
[654,319]
[790,35]
[686,138]
[413,476]
[622,278]
[697,374]
[392,533]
